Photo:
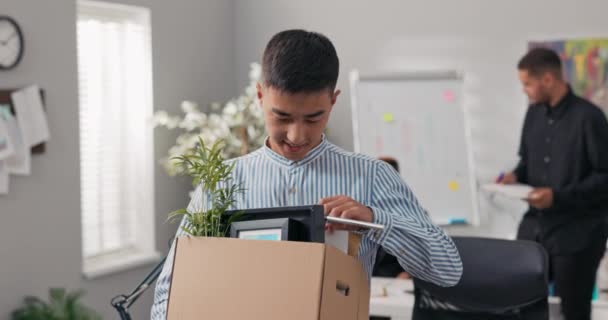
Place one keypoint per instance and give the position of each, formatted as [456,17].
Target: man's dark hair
[298,61]
[540,60]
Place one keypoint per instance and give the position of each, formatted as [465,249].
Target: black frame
[21,42]
[291,230]
[308,220]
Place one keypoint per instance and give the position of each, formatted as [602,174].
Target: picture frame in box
[279,229]
[310,220]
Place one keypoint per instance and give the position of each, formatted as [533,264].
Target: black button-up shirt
[565,148]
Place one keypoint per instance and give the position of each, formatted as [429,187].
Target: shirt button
[548,140]
[547,159]
[551,121]
[292,190]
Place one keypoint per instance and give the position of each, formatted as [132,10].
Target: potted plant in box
[207,168]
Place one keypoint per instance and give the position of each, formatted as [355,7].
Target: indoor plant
[238,122]
[62,305]
[207,168]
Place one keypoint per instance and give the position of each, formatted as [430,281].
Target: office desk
[399,301]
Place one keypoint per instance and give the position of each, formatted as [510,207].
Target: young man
[564,156]
[298,166]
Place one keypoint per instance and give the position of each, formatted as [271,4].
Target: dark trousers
[575,250]
[573,276]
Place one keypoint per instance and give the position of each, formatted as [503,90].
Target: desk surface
[394,298]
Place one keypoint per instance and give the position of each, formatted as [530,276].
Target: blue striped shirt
[271,180]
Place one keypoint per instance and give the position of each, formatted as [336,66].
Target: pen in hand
[500,178]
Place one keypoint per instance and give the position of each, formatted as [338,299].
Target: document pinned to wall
[30,115]
[4,178]
[19,162]
[6,145]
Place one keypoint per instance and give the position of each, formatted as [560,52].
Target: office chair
[502,279]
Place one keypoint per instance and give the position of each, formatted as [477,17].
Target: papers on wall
[6,145]
[19,161]
[20,131]
[4,177]
[30,115]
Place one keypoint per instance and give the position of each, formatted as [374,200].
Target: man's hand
[508,178]
[347,208]
[404,276]
[541,198]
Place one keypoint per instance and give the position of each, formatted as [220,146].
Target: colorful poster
[585,64]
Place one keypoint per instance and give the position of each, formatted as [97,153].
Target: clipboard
[361,224]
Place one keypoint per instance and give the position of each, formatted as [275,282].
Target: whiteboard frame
[355,77]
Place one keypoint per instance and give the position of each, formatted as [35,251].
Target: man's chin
[293,155]
[289,152]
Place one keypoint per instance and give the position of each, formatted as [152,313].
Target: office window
[116,150]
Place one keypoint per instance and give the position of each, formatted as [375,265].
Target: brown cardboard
[354,242]
[341,274]
[224,278]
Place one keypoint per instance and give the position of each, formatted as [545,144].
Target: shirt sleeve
[163,284]
[422,249]
[593,190]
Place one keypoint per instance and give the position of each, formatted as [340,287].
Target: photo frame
[309,221]
[279,229]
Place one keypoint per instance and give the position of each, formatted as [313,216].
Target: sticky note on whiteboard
[388,117]
[449,96]
[454,186]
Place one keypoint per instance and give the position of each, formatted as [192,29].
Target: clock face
[11,43]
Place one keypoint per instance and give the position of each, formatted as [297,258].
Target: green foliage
[206,166]
[62,305]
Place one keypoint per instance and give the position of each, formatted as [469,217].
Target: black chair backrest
[504,279]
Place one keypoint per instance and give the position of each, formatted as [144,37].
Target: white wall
[40,218]
[483,38]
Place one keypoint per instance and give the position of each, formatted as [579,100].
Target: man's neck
[558,95]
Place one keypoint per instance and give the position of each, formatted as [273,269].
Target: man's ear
[334,97]
[548,79]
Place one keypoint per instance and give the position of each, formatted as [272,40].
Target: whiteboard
[419,120]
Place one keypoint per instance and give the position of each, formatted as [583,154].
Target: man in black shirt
[564,156]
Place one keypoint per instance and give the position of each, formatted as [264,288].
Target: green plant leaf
[176,214]
[62,305]
[206,166]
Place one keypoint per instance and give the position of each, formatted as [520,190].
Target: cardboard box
[230,279]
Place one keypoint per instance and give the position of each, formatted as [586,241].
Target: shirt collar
[310,156]
[562,105]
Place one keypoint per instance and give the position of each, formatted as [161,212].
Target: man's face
[295,122]
[536,87]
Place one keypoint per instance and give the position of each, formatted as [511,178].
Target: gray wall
[40,237]
[483,38]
